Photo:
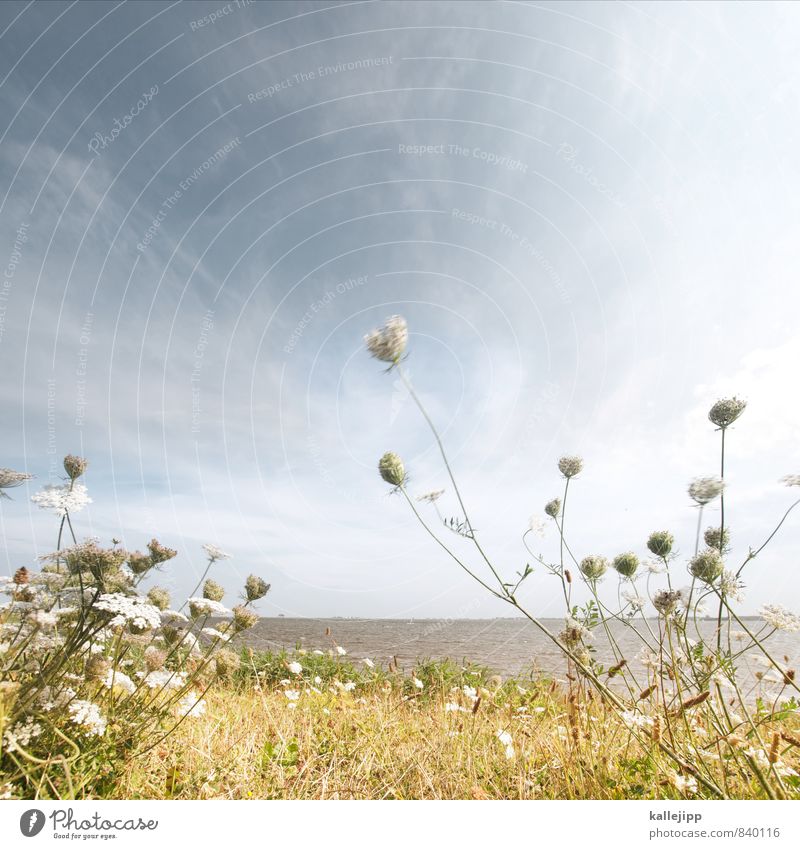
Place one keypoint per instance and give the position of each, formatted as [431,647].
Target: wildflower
[716,540]
[215,552]
[75,466]
[63,499]
[687,784]
[626,564]
[213,591]
[703,490]
[292,695]
[226,663]
[348,686]
[725,412]
[706,566]
[789,480]
[536,526]
[667,601]
[340,651]
[139,563]
[154,658]
[243,618]
[9,479]
[660,543]
[45,618]
[190,705]
[432,496]
[115,678]
[470,692]
[574,633]
[295,668]
[506,740]
[132,610]
[388,343]
[418,684]
[368,663]
[158,597]
[636,601]
[255,588]
[318,652]
[163,679]
[317,680]
[391,469]
[160,553]
[780,618]
[593,567]
[636,720]
[553,508]
[87,715]
[206,607]
[570,466]
[731,586]
[452,707]
[217,635]
[21,734]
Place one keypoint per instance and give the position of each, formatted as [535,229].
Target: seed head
[159,597]
[388,343]
[227,663]
[139,563]
[707,566]
[391,469]
[570,466]
[160,553]
[713,539]
[9,479]
[75,466]
[243,618]
[667,601]
[703,490]
[22,576]
[553,508]
[593,567]
[726,411]
[660,543]
[213,591]
[255,588]
[626,564]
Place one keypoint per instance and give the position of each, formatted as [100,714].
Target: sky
[587,213]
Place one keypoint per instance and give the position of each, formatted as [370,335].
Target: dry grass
[382,744]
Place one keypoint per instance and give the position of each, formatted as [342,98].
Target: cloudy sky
[588,213]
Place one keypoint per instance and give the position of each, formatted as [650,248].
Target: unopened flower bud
[703,490]
[660,543]
[626,564]
[707,566]
[75,466]
[593,567]
[213,591]
[391,469]
[243,618]
[553,508]
[255,588]
[716,540]
[160,553]
[388,342]
[159,597]
[726,411]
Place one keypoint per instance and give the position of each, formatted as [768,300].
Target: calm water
[509,646]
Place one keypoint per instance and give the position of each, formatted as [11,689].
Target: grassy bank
[344,731]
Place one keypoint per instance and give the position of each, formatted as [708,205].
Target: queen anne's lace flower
[432,496]
[133,610]
[779,617]
[703,490]
[163,679]
[21,734]
[295,668]
[214,552]
[9,479]
[190,705]
[115,678]
[388,342]
[206,606]
[62,499]
[791,480]
[87,716]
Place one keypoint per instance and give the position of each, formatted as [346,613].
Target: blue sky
[588,213]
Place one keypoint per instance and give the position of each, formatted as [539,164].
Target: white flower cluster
[190,705]
[780,618]
[62,499]
[129,609]
[21,734]
[389,342]
[214,552]
[87,715]
[163,678]
[115,678]
[506,740]
[205,606]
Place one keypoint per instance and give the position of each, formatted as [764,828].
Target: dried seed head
[9,479]
[715,540]
[160,553]
[139,563]
[660,543]
[703,490]
[626,564]
[570,466]
[593,567]
[213,591]
[726,411]
[159,597]
[22,576]
[391,469]
[255,588]
[707,566]
[226,662]
[667,601]
[243,618]
[553,508]
[388,343]
[75,466]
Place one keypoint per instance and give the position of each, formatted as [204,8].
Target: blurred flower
[62,499]
[731,586]
[191,705]
[158,597]
[687,784]
[726,411]
[636,601]
[553,508]
[295,668]
[570,466]
[213,591]
[537,526]
[243,618]
[255,588]
[391,469]
[418,684]
[215,552]
[9,479]
[340,651]
[368,663]
[388,343]
[780,618]
[789,480]
[432,496]
[713,538]
[87,715]
[626,564]
[706,566]
[667,601]
[660,543]
[703,490]
[206,607]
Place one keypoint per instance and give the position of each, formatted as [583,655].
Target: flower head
[707,566]
[717,540]
[779,617]
[255,588]
[703,490]
[789,480]
[129,610]
[158,597]
[206,607]
[9,479]
[432,496]
[388,343]
[213,591]
[660,543]
[75,466]
[87,716]
[295,668]
[160,553]
[626,564]
[214,552]
[63,499]
[243,618]
[667,601]
[391,469]
[593,567]
[570,466]
[553,508]
[731,586]
[726,411]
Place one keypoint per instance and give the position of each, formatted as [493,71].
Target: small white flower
[780,618]
[62,499]
[118,679]
[418,684]
[452,707]
[636,720]
[349,686]
[340,651]
[537,526]
[218,635]
[368,663]
[388,342]
[206,607]
[635,601]
[791,480]
[317,680]
[292,695]
[432,496]
[190,705]
[214,552]
[163,678]
[45,618]
[318,652]
[295,668]
[87,715]
[133,610]
[21,734]
[687,784]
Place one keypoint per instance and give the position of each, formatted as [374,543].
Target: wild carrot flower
[190,705]
[553,508]
[21,734]
[537,526]
[206,607]
[626,564]
[214,552]
[341,651]
[667,601]
[791,480]
[418,684]
[713,539]
[730,586]
[255,588]
[132,610]
[368,663]
[506,740]
[62,499]
[213,591]
[295,668]
[636,601]
[569,466]
[391,469]
[116,678]
[160,553]
[780,618]
[243,618]
[158,597]
[593,567]
[725,412]
[684,784]
[660,543]
[704,490]
[432,496]
[87,716]
[707,566]
[388,343]
[75,466]
[9,479]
